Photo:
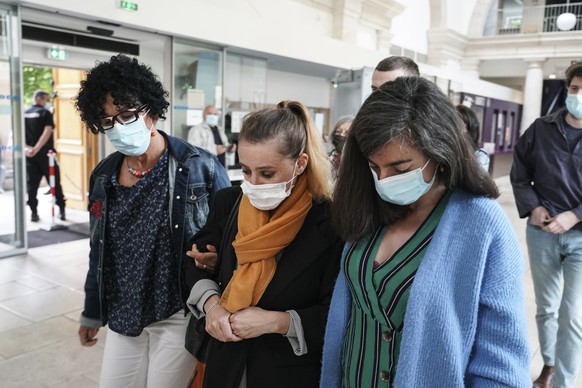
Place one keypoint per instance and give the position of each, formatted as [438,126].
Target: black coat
[303,282]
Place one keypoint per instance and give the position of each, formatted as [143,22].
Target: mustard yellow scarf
[262,235]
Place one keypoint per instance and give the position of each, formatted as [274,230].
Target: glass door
[198,73]
[12,206]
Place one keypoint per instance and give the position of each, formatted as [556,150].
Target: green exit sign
[57,53]
[127,5]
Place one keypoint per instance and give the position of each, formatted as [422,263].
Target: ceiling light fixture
[567,20]
[100,31]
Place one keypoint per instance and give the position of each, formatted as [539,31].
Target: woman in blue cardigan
[430,290]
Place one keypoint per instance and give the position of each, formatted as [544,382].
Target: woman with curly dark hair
[146,201]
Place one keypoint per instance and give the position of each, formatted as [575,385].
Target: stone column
[470,67]
[349,16]
[446,49]
[532,92]
[346,19]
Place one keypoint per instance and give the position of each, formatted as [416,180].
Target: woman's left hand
[204,260]
[561,223]
[254,321]
[217,321]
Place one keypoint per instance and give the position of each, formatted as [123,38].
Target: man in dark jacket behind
[547,184]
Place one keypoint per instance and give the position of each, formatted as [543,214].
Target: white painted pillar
[346,15]
[532,92]
[470,67]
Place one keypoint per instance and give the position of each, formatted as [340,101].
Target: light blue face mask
[574,105]
[212,120]
[130,139]
[403,189]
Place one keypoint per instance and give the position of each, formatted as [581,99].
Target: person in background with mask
[145,202]
[338,139]
[266,308]
[210,136]
[471,123]
[39,127]
[547,184]
[388,69]
[430,291]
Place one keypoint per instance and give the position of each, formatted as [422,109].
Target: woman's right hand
[217,321]
[204,260]
[87,335]
[540,217]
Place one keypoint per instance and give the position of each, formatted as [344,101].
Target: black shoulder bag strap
[227,237]
[196,336]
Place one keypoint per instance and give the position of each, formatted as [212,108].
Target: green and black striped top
[380,295]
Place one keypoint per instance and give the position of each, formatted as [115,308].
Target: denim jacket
[194,177]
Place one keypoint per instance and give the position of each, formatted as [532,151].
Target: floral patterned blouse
[140,265]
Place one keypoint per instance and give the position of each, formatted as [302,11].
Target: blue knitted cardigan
[465,322]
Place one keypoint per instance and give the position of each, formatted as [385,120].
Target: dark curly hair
[130,83]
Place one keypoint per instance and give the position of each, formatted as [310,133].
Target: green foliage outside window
[34,78]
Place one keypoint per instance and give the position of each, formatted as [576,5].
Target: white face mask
[267,196]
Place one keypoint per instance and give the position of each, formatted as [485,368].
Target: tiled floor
[41,297]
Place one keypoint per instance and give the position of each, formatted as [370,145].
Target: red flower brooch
[96,208]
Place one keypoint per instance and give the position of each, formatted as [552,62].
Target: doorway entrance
[79,45]
[77,150]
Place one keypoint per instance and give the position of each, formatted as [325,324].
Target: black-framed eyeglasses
[126,117]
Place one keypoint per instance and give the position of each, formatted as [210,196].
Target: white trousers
[156,358]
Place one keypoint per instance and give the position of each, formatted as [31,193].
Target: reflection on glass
[197,83]
[245,91]
[246,83]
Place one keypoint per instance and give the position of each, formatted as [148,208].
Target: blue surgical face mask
[403,189]
[574,105]
[212,120]
[130,139]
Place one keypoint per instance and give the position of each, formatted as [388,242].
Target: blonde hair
[290,122]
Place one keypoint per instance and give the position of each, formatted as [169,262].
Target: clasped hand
[558,224]
[248,323]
